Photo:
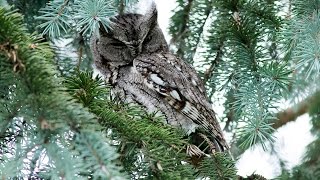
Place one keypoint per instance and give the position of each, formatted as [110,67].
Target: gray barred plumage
[134,58]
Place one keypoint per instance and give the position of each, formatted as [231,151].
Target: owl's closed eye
[117,44]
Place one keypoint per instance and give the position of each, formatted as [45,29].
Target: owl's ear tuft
[152,15]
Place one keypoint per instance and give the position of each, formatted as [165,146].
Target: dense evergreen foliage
[59,121]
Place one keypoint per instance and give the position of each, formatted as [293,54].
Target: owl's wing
[178,83]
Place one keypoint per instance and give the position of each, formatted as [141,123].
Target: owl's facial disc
[130,35]
[131,31]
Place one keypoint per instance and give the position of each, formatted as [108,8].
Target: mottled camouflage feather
[134,58]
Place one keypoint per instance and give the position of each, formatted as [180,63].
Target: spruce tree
[59,121]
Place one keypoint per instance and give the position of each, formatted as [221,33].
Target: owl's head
[129,35]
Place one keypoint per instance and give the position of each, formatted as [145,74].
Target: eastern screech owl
[134,58]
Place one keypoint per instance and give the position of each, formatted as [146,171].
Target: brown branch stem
[207,15]
[209,72]
[64,5]
[292,113]
[121,7]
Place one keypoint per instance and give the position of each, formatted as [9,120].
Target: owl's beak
[135,48]
[135,51]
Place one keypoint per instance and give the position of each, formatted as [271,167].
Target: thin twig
[121,7]
[181,34]
[209,72]
[207,14]
[292,113]
[64,5]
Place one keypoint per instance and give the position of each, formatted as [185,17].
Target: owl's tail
[203,145]
[207,143]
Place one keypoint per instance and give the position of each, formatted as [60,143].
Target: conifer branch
[292,113]
[181,33]
[43,117]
